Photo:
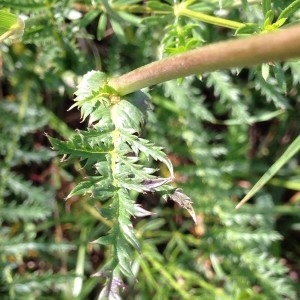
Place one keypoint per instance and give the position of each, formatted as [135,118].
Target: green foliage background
[221,131]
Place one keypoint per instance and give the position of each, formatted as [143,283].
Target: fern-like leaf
[111,148]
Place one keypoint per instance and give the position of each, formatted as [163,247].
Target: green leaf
[104,189]
[110,209]
[147,148]
[272,92]
[269,17]
[184,201]
[91,82]
[118,30]
[266,6]
[78,147]
[10,26]
[130,237]
[290,10]
[280,77]
[91,93]
[126,2]
[279,23]
[259,117]
[89,17]
[130,18]
[81,189]
[26,190]
[98,186]
[265,71]
[159,6]
[105,240]
[284,158]
[123,255]
[130,169]
[102,23]
[248,29]
[126,115]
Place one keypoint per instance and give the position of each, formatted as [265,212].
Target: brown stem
[245,52]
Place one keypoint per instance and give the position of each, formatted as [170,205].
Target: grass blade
[289,153]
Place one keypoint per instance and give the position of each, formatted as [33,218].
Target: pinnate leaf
[147,148]
[111,148]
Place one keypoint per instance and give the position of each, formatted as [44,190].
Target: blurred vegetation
[221,131]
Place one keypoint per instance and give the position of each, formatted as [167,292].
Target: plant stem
[78,281]
[209,19]
[245,52]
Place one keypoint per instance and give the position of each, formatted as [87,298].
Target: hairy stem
[245,52]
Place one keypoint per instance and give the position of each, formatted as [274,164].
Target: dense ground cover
[220,130]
